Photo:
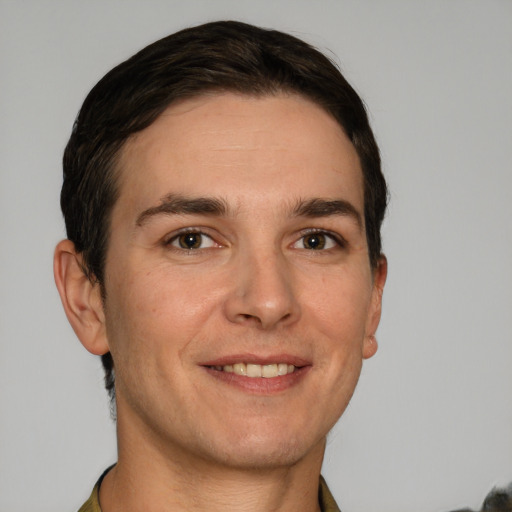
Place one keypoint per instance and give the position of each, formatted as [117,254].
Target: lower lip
[260,385]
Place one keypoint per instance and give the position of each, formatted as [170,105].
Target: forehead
[231,145]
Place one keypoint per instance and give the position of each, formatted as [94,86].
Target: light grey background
[430,425]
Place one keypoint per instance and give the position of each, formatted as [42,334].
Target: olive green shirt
[327,503]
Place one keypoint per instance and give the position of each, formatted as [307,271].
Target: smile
[267,371]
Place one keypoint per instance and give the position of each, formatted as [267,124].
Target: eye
[317,241]
[191,240]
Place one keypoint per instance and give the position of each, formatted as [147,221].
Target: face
[239,294]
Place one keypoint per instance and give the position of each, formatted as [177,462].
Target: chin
[264,452]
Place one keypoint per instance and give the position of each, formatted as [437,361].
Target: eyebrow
[173,204]
[326,208]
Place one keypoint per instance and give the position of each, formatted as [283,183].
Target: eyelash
[337,239]
[334,237]
[193,231]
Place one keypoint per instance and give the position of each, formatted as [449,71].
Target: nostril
[246,317]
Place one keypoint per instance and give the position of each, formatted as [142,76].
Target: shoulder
[325,498]
[92,504]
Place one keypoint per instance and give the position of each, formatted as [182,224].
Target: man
[223,200]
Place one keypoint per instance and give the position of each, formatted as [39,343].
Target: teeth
[269,370]
[266,371]
[253,370]
[240,369]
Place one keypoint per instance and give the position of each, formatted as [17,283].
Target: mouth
[266,371]
[259,375]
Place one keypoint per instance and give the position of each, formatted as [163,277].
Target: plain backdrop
[430,425]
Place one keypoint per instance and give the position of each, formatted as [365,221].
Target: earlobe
[370,346]
[379,280]
[81,298]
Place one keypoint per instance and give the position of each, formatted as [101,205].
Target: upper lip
[257,359]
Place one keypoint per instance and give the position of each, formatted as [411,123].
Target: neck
[148,477]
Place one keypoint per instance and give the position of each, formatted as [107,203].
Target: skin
[256,289]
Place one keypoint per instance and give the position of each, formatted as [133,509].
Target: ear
[379,280]
[81,298]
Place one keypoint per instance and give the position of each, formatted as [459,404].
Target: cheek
[341,304]
[145,323]
[153,307]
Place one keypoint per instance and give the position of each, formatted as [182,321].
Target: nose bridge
[263,291]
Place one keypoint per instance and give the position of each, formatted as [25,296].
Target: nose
[263,292]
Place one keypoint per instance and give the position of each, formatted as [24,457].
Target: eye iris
[190,240]
[314,241]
